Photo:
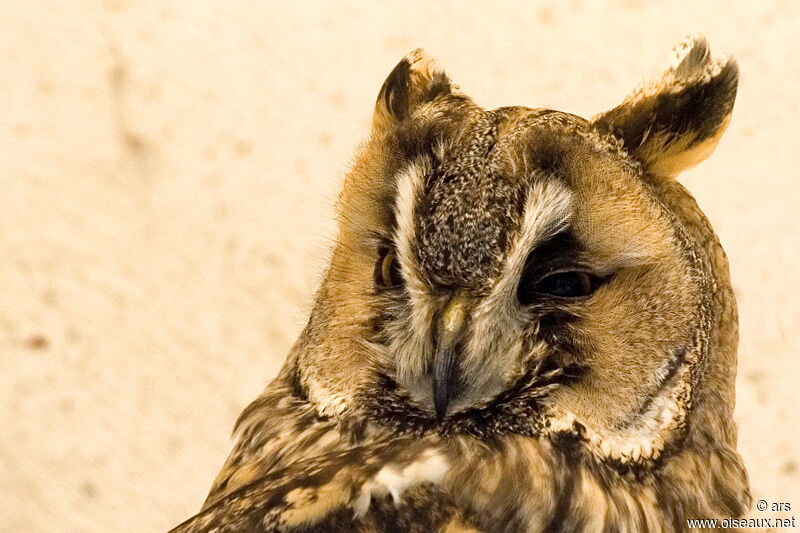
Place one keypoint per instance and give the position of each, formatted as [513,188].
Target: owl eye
[571,284]
[387,270]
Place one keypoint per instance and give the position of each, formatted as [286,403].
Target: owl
[527,324]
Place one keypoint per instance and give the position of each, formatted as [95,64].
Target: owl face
[515,243]
[509,258]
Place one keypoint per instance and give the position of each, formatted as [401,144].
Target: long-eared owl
[527,324]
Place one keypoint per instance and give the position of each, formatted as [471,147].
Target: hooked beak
[445,378]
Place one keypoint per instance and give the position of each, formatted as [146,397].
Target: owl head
[531,271]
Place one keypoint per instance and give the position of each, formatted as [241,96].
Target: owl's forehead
[472,199]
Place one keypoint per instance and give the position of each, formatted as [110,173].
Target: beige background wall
[167,173]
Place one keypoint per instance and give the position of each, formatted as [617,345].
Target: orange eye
[387,270]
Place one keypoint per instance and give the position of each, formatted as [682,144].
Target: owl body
[527,325]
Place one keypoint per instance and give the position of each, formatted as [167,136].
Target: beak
[445,375]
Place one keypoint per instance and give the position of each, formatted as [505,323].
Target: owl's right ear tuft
[415,80]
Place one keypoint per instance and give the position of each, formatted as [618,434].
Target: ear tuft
[414,81]
[675,121]
[690,56]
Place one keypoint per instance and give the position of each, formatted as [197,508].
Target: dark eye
[566,284]
[572,284]
[387,270]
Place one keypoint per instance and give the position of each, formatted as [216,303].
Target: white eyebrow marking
[548,208]
[410,360]
[409,183]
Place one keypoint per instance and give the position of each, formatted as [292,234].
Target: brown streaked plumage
[527,325]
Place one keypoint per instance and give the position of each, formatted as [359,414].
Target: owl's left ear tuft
[675,121]
[414,81]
